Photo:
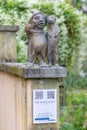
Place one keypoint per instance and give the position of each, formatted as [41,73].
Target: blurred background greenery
[72,20]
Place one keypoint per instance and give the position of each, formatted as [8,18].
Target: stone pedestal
[8,43]
[17,85]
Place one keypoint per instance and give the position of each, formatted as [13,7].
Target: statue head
[51,19]
[38,19]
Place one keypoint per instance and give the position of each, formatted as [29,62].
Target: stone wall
[8,43]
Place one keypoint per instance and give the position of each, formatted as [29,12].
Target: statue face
[39,20]
[51,19]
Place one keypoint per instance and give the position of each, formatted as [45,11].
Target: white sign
[44,106]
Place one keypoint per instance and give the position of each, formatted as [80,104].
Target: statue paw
[30,64]
[50,65]
[43,64]
[56,65]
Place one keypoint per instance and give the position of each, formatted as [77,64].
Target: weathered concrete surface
[44,84]
[7,28]
[24,71]
[12,102]
[16,102]
[8,43]
[17,82]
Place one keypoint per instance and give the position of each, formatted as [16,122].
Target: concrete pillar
[29,97]
[8,43]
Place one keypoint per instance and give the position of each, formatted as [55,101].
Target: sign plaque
[44,106]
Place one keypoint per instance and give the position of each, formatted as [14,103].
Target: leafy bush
[74,115]
[74,80]
[83,49]
[17,13]
[75,3]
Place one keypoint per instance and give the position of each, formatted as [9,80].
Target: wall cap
[9,28]
[22,70]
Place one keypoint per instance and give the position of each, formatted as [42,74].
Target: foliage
[74,80]
[83,49]
[12,11]
[75,3]
[74,115]
[17,13]
[68,2]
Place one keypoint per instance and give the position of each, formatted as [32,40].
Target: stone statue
[53,39]
[37,42]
